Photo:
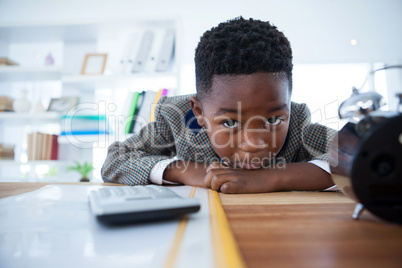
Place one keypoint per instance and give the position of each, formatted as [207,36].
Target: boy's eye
[274,121]
[230,123]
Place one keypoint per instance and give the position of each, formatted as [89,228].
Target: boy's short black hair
[241,46]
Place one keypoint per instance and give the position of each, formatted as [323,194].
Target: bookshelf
[20,73]
[154,80]
[19,118]
[68,42]
[5,163]
[39,171]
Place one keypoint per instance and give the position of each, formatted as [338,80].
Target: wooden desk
[310,229]
[298,229]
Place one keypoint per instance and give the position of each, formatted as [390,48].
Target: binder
[124,115]
[154,50]
[130,115]
[125,111]
[145,111]
[143,52]
[164,92]
[129,53]
[140,101]
[161,93]
[166,51]
[157,97]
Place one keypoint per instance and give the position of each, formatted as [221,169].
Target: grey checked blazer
[175,132]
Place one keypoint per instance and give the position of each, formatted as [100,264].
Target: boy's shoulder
[176,111]
[179,105]
[178,101]
[300,118]
[299,111]
[299,108]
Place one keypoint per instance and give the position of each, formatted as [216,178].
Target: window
[323,87]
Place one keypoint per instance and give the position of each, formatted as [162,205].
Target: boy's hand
[236,180]
[294,177]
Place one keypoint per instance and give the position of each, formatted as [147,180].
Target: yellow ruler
[226,252]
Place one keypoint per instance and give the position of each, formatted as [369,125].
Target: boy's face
[246,117]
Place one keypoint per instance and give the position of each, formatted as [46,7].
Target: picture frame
[62,105]
[94,64]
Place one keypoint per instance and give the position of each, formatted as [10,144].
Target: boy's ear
[197,110]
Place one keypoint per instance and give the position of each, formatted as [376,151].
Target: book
[45,147]
[30,150]
[48,146]
[7,62]
[36,147]
[54,152]
[6,104]
[83,125]
[42,146]
[6,151]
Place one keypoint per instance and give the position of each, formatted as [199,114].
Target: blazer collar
[191,122]
[199,140]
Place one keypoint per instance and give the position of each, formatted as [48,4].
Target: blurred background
[97,57]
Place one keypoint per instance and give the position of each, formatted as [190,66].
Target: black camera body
[366,164]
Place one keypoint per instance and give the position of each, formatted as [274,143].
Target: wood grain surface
[310,229]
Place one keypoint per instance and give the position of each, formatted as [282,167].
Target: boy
[240,133]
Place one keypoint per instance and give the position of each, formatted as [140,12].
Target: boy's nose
[253,142]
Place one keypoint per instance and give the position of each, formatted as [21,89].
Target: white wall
[319,30]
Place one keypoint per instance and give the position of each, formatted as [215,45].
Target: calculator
[142,203]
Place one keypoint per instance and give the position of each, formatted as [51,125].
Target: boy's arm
[186,172]
[130,162]
[292,177]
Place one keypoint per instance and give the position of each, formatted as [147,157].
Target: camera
[366,155]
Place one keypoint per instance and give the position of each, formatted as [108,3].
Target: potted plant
[83,169]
